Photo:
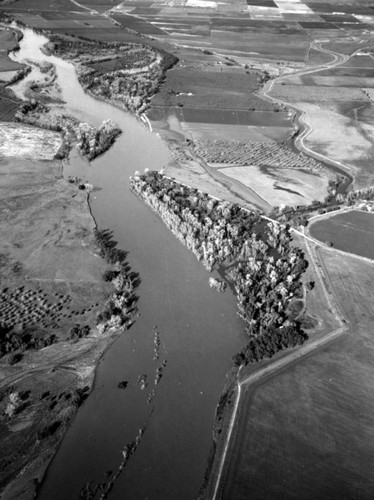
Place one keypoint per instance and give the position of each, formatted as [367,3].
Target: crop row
[252,153]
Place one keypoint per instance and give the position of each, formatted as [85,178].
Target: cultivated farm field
[8,105]
[211,89]
[7,42]
[351,231]
[307,433]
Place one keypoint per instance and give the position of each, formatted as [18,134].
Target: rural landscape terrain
[186,249]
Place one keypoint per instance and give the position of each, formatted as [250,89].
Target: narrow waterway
[198,328]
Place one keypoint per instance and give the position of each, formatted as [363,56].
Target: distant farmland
[352,232]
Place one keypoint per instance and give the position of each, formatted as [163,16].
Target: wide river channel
[199,331]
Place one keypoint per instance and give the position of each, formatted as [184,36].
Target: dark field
[313,93]
[352,232]
[8,102]
[359,62]
[211,89]
[137,24]
[8,105]
[307,433]
[353,72]
[39,5]
[334,81]
[7,42]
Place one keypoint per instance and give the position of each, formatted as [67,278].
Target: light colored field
[308,432]
[28,142]
[281,185]
[6,76]
[235,132]
[266,13]
[297,93]
[213,182]
[331,81]
[342,139]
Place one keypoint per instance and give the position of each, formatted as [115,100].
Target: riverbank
[56,318]
[51,280]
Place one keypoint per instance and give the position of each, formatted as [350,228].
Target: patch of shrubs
[81,395]
[77,332]
[12,341]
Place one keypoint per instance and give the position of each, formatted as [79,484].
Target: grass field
[351,231]
[196,88]
[307,433]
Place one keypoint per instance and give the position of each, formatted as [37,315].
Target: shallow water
[199,332]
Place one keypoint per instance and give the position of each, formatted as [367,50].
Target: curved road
[338,59]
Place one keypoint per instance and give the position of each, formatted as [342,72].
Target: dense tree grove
[90,141]
[259,260]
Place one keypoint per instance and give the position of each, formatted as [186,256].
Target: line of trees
[120,307]
[263,266]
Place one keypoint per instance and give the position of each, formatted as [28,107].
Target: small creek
[198,329]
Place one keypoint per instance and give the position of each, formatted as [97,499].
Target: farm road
[338,59]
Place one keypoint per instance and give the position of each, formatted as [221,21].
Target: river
[199,331]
